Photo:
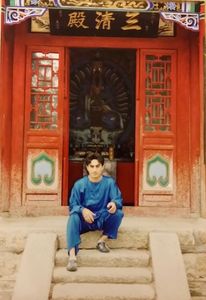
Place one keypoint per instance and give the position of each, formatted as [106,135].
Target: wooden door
[43,134]
[164,128]
[157,128]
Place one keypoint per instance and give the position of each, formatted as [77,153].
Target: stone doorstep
[103,291]
[133,233]
[115,258]
[129,223]
[103,275]
[126,239]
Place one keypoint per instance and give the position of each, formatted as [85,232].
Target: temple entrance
[102,112]
[124,100]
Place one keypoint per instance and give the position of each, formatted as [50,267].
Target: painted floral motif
[157,171]
[43,170]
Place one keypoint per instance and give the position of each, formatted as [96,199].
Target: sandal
[72,265]
[102,247]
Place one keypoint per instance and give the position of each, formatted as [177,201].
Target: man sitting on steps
[95,204]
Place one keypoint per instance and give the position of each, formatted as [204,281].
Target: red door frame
[74,170]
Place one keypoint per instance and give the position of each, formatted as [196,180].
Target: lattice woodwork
[157,116]
[44,90]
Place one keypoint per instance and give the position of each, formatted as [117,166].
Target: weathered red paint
[6,65]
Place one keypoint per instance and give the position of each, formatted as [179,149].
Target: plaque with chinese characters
[103,23]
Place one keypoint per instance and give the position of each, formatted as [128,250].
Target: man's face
[95,170]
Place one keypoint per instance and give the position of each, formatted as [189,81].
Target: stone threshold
[8,222]
[45,210]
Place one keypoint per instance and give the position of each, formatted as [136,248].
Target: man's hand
[111,206]
[88,215]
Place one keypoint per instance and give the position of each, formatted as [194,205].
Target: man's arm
[75,204]
[115,195]
[76,198]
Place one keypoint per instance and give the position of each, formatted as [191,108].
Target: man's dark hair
[94,155]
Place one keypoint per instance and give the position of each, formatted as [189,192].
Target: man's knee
[119,214]
[116,217]
[74,219]
[111,225]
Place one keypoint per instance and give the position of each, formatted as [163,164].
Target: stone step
[103,275]
[5,295]
[6,287]
[115,258]
[102,291]
[129,236]
[7,282]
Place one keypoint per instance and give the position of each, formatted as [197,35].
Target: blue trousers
[76,225]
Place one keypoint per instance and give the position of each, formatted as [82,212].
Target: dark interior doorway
[102,110]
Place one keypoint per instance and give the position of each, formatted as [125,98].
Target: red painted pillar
[6,62]
[202,63]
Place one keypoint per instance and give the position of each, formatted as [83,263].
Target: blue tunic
[94,195]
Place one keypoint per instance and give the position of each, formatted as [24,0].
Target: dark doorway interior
[102,87]
[102,111]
